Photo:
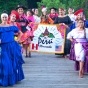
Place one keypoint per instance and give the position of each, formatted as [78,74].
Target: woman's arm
[19,36]
[70,35]
[56,20]
[50,20]
[69,21]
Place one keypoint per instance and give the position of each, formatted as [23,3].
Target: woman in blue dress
[10,58]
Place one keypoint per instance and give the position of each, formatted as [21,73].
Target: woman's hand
[65,25]
[0,41]
[71,39]
[19,36]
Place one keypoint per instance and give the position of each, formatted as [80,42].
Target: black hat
[53,8]
[21,6]
[4,11]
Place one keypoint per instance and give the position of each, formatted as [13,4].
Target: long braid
[84,32]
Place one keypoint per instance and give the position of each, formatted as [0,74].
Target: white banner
[48,39]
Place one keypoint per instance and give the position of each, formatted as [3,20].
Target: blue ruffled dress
[11,58]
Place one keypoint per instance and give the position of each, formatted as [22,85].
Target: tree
[76,4]
[50,3]
[32,3]
[9,5]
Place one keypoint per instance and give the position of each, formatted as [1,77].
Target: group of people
[18,23]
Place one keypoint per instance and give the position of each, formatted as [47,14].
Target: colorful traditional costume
[30,20]
[79,48]
[22,20]
[23,23]
[36,18]
[48,21]
[11,58]
[53,16]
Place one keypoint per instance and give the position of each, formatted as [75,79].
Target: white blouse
[72,17]
[77,34]
[36,18]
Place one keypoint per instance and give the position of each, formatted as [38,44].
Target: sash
[81,40]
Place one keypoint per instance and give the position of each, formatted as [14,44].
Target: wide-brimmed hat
[21,6]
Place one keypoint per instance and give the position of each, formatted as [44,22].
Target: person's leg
[67,45]
[26,50]
[29,50]
[81,69]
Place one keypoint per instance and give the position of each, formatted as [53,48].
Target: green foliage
[50,3]
[9,5]
[76,4]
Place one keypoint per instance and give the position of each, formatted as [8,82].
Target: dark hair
[31,11]
[44,16]
[81,19]
[70,8]
[35,9]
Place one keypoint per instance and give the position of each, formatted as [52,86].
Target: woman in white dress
[79,51]
[71,15]
[37,19]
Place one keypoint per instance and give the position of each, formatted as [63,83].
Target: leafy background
[76,4]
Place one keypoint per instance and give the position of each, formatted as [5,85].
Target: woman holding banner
[66,21]
[79,48]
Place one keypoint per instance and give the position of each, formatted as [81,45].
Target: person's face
[70,11]
[61,12]
[52,11]
[4,18]
[13,17]
[20,11]
[44,13]
[36,12]
[80,23]
[29,13]
[79,16]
